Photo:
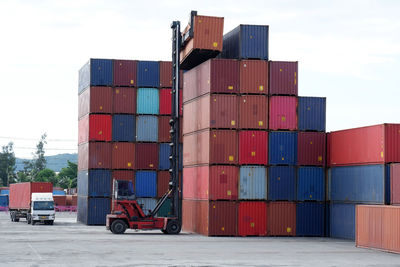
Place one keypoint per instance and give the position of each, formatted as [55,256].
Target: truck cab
[42,209]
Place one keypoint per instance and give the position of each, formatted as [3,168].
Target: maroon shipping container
[311,148]
[282,219]
[253,112]
[60,200]
[210,218]
[253,77]
[283,113]
[212,76]
[163,178]
[163,129]
[95,100]
[124,100]
[94,128]
[123,155]
[252,218]
[395,184]
[125,175]
[253,147]
[94,155]
[165,74]
[210,147]
[20,194]
[283,78]
[211,111]
[146,156]
[378,144]
[211,182]
[125,72]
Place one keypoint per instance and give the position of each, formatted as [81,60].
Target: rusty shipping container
[60,200]
[125,72]
[253,112]
[94,128]
[166,75]
[95,100]
[394,170]
[71,200]
[252,218]
[283,78]
[146,156]
[123,156]
[282,113]
[124,100]
[94,155]
[282,219]
[20,193]
[253,147]
[253,77]
[311,148]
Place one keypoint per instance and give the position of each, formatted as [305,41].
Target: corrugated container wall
[310,183]
[283,78]
[3,201]
[252,218]
[312,113]
[124,100]
[95,128]
[163,178]
[125,72]
[123,128]
[97,72]
[253,147]
[253,182]
[146,128]
[123,156]
[148,204]
[125,175]
[310,219]
[311,148]
[164,153]
[394,184]
[342,220]
[165,74]
[253,112]
[281,183]
[60,200]
[282,113]
[281,219]
[94,155]
[93,211]
[253,77]
[146,156]
[147,101]
[146,184]
[94,183]
[282,148]
[20,193]
[148,74]
[95,100]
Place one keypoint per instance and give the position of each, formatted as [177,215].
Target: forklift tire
[173,227]
[118,227]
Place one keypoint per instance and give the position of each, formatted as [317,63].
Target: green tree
[39,161]
[67,178]
[46,175]
[22,177]
[7,164]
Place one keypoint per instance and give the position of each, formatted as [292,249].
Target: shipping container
[205,43]
[310,184]
[123,128]
[358,184]
[165,209]
[212,76]
[164,154]
[124,100]
[57,192]
[148,74]
[342,220]
[147,204]
[146,156]
[246,42]
[165,74]
[376,144]
[94,155]
[252,218]
[125,175]
[253,147]
[125,72]
[283,78]
[311,148]
[310,219]
[97,72]
[282,113]
[93,211]
[4,192]
[147,101]
[282,148]
[312,113]
[123,156]
[94,128]
[20,194]
[95,99]
[282,183]
[281,219]
[164,128]
[253,112]
[146,128]
[3,200]
[94,183]
[146,184]
[165,102]
[394,174]
[253,77]
[253,182]
[60,200]
[210,147]
[163,178]
[71,200]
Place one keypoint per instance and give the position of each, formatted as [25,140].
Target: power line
[32,139]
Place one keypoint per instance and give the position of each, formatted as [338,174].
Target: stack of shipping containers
[4,192]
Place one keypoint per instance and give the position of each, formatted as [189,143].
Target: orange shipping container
[253,112]
[282,219]
[253,77]
[60,200]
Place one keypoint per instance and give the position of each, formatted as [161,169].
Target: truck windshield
[43,205]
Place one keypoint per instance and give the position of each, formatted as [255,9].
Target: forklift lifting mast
[126,211]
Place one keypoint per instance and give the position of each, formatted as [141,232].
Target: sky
[348,52]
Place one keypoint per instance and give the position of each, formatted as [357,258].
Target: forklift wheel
[173,227]
[118,227]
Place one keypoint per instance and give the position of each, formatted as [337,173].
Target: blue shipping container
[342,220]
[146,184]
[310,183]
[3,201]
[148,204]
[59,193]
[93,211]
[312,113]
[148,74]
[146,128]
[246,42]
[5,192]
[282,183]
[94,183]
[163,157]
[97,72]
[147,101]
[123,128]
[253,182]
[327,219]
[282,148]
[358,184]
[310,219]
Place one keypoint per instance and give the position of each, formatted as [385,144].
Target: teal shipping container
[253,182]
[148,101]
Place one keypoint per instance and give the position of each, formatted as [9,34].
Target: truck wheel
[33,222]
[16,220]
[118,227]
[173,227]
[12,216]
[48,222]
[28,219]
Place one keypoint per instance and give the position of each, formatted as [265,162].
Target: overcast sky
[348,51]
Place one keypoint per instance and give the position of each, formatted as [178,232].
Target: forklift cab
[123,190]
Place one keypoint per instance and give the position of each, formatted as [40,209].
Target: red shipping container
[395,184]
[123,156]
[94,128]
[124,100]
[212,76]
[125,175]
[146,156]
[252,218]
[311,148]
[166,102]
[94,155]
[253,112]
[253,147]
[283,113]
[20,194]
[71,200]
[282,219]
[253,77]
[210,147]
[378,144]
[60,200]
[283,78]
[125,72]
[211,182]
[95,100]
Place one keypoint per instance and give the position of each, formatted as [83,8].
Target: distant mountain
[55,163]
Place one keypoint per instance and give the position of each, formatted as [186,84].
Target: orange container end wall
[123,156]
[253,112]
[253,76]
[282,219]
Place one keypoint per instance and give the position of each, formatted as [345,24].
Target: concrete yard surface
[67,243]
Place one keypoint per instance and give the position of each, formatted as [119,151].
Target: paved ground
[68,243]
